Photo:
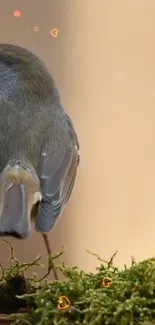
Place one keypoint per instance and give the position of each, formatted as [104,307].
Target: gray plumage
[37,136]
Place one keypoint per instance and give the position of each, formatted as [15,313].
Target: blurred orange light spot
[107,282]
[54,32]
[62,300]
[17,13]
[36,29]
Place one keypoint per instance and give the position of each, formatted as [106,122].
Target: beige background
[103,61]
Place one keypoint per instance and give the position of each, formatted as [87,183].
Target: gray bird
[39,148]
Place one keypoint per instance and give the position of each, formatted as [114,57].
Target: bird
[39,147]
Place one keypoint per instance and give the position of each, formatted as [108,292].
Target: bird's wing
[57,172]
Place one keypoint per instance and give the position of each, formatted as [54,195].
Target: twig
[27,265]
[133,262]
[27,295]
[96,255]
[2,272]
[22,266]
[51,258]
[6,319]
[110,263]
[101,260]
[12,258]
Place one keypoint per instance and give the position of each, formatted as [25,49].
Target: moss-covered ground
[108,297]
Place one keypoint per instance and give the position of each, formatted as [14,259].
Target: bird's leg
[50,262]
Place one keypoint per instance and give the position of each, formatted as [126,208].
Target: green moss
[128,300]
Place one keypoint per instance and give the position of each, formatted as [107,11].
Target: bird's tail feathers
[19,191]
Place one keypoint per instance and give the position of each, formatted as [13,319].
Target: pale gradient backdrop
[103,61]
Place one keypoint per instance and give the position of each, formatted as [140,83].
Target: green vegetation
[127,299]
